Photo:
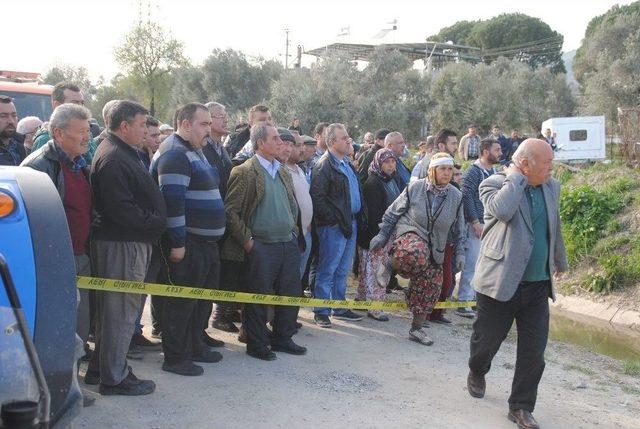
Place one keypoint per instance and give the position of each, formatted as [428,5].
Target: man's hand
[557,275]
[177,254]
[377,242]
[513,168]
[248,245]
[477,229]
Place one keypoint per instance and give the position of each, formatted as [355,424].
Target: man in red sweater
[61,159]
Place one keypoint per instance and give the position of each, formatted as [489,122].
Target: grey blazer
[507,240]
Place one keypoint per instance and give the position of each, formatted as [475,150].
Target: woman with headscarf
[379,191]
[421,220]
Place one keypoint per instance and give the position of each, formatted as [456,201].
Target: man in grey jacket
[521,248]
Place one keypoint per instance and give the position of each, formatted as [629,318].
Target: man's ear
[56,133]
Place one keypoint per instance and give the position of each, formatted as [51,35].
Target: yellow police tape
[126,286]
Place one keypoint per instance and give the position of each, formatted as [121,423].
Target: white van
[578,138]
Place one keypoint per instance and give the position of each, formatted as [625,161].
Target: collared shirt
[217,146]
[301,191]
[538,266]
[474,146]
[76,165]
[11,155]
[354,185]
[272,167]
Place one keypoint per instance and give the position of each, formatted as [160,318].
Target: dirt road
[369,375]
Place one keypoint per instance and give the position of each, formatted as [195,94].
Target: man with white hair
[106,117]
[27,127]
[61,159]
[522,247]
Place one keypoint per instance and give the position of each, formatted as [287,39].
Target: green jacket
[245,191]
[42,136]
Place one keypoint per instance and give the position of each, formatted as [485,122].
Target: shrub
[585,213]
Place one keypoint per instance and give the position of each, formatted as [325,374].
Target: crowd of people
[270,210]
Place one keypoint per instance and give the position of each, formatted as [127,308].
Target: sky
[44,33]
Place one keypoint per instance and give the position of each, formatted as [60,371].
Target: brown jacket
[245,191]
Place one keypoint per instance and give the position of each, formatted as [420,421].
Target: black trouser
[274,269]
[232,278]
[530,309]
[182,318]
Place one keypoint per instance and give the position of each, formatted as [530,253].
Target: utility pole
[286,49]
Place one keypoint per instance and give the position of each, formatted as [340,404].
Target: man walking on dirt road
[521,247]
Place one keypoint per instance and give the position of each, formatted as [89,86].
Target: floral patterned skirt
[411,259]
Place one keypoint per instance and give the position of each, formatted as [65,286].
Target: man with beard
[11,149]
[483,167]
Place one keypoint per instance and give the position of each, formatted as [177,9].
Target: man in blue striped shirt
[195,223]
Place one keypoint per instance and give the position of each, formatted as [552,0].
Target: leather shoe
[212,342]
[224,325]
[476,385]
[207,356]
[186,368]
[290,347]
[523,419]
[264,354]
[92,378]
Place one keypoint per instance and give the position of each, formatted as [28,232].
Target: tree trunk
[152,101]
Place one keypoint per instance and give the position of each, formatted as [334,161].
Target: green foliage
[463,93]
[631,367]
[607,64]
[585,212]
[618,263]
[503,31]
[238,82]
[148,53]
[69,73]
[388,92]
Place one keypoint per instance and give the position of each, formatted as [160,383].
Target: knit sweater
[473,208]
[189,185]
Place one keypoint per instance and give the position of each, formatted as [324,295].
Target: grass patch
[619,262]
[630,390]
[582,369]
[631,367]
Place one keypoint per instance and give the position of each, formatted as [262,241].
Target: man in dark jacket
[337,202]
[130,216]
[483,167]
[61,159]
[237,140]
[226,312]
[367,157]
[11,143]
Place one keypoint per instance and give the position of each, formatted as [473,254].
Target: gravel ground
[369,375]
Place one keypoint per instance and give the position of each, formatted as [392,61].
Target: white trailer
[578,138]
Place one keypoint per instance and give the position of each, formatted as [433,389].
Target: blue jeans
[335,256]
[472,249]
[304,257]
